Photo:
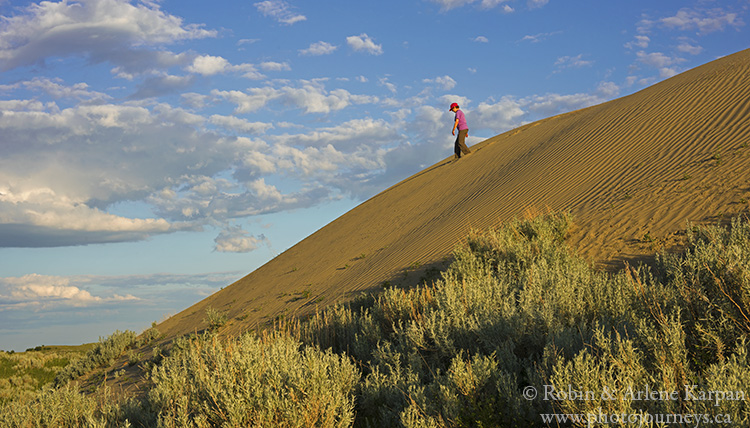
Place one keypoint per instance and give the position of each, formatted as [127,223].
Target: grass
[215,319]
[517,309]
[23,374]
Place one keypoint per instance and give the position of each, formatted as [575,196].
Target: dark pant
[460,146]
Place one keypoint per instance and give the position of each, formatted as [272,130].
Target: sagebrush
[517,309]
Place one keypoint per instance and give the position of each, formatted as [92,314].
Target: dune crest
[632,171]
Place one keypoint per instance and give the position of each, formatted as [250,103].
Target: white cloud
[641,41]
[700,21]
[567,62]
[319,48]
[348,136]
[275,66]
[445,82]
[44,209]
[446,5]
[43,291]
[608,90]
[280,11]
[311,97]
[689,48]
[56,88]
[314,99]
[363,43]
[195,100]
[236,240]
[160,85]
[102,30]
[122,153]
[481,39]
[240,125]
[503,114]
[251,100]
[243,42]
[383,81]
[705,21]
[535,4]
[208,65]
[539,37]
[658,59]
[551,104]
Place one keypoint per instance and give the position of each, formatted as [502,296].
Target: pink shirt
[461,120]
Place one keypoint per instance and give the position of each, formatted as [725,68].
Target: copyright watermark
[529,393]
[600,417]
[645,393]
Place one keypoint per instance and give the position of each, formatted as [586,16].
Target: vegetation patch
[518,327]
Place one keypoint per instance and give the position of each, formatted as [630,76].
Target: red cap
[453,105]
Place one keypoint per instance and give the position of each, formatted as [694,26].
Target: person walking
[463,132]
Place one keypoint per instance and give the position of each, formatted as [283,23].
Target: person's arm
[455,125]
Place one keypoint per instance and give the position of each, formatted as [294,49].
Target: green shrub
[148,336]
[252,381]
[712,279]
[66,407]
[215,319]
[102,354]
[519,309]
[516,311]
[22,374]
[51,408]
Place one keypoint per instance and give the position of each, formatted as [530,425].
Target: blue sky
[152,152]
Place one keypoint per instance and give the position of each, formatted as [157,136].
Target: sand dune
[632,171]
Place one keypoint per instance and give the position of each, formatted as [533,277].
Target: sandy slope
[632,171]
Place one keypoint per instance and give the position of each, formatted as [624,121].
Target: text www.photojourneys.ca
[639,419]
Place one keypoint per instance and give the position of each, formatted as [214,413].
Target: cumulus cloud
[40,218]
[444,82]
[275,66]
[36,291]
[567,62]
[208,65]
[689,48]
[319,48]
[366,132]
[539,37]
[452,4]
[86,158]
[703,20]
[310,96]
[446,5]
[157,86]
[236,240]
[666,64]
[280,11]
[553,104]
[56,88]
[250,100]
[363,43]
[641,42]
[536,4]
[92,153]
[699,21]
[503,114]
[508,112]
[237,124]
[102,30]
